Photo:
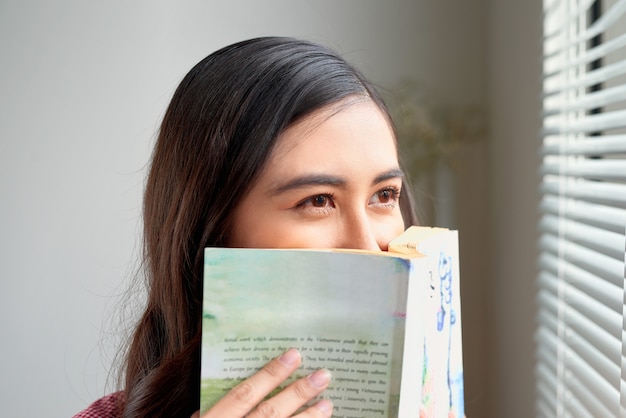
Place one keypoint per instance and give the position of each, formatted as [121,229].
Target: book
[386,324]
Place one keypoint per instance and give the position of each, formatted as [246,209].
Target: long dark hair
[215,138]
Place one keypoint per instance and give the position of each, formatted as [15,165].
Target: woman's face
[332,181]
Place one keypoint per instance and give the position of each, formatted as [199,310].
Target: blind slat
[585,189]
[588,79]
[590,388]
[557,12]
[588,102]
[580,232]
[584,211]
[604,365]
[605,340]
[601,25]
[585,57]
[590,123]
[610,268]
[599,288]
[593,145]
[589,168]
[598,406]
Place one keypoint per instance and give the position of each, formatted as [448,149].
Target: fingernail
[319,378]
[290,357]
[325,406]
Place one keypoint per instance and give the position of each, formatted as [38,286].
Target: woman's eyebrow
[312,180]
[309,180]
[390,174]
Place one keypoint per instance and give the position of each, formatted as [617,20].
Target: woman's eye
[384,196]
[388,196]
[319,201]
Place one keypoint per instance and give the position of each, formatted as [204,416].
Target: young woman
[270,142]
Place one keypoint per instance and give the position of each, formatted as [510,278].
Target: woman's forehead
[355,139]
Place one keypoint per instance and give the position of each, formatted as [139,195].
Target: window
[581,363]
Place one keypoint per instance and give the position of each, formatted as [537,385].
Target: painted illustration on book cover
[343,312]
[442,388]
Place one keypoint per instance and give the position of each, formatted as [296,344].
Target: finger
[246,395]
[293,396]
[322,409]
[196,414]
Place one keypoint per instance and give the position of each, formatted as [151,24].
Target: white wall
[83,87]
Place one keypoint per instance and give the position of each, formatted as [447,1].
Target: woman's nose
[360,234]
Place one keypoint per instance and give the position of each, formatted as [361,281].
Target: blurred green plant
[431,134]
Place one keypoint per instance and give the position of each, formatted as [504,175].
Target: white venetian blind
[580,363]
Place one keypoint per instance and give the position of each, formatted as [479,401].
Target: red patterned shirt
[107,407]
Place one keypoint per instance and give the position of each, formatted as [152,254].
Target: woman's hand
[243,399]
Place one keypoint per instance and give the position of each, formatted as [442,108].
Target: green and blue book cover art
[359,315]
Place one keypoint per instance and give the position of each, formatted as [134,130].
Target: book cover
[382,322]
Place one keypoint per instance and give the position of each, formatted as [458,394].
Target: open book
[386,324]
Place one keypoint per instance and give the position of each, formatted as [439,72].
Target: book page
[344,312]
[361,369]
